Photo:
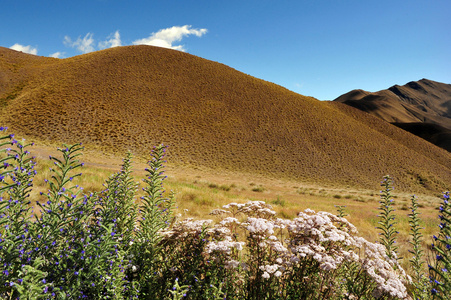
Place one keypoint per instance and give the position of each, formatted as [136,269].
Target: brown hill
[210,115]
[424,103]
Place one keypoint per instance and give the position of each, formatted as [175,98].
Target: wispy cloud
[162,38]
[114,40]
[25,49]
[298,85]
[57,55]
[167,37]
[84,44]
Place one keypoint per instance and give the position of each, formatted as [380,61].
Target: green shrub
[107,246]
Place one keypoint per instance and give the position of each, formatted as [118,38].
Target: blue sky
[314,47]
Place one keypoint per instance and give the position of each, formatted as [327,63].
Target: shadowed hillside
[433,133]
[422,107]
[210,115]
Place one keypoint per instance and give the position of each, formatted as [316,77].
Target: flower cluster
[104,245]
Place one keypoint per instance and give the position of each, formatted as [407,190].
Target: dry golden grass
[211,116]
[199,191]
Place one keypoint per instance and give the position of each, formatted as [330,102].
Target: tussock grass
[211,116]
[194,193]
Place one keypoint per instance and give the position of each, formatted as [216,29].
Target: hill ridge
[135,97]
[417,102]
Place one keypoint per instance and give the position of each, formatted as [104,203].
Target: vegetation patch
[109,244]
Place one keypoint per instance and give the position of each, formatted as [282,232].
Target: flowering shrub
[439,270]
[106,245]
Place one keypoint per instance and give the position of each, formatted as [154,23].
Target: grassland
[201,190]
[211,116]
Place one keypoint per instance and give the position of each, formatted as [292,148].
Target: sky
[316,48]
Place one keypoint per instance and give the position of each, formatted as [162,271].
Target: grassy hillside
[210,115]
[420,107]
[423,101]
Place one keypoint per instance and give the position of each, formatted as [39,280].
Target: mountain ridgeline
[209,115]
[421,107]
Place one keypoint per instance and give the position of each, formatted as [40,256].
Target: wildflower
[271,268]
[232,264]
[265,275]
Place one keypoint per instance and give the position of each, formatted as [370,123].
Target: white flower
[327,266]
[278,274]
[271,268]
[232,264]
[260,226]
[239,245]
[278,247]
[265,275]
[229,220]
[309,211]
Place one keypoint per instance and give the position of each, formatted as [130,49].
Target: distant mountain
[421,107]
[211,116]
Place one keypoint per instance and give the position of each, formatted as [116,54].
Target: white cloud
[57,54]
[298,85]
[163,38]
[166,37]
[84,45]
[114,41]
[25,49]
